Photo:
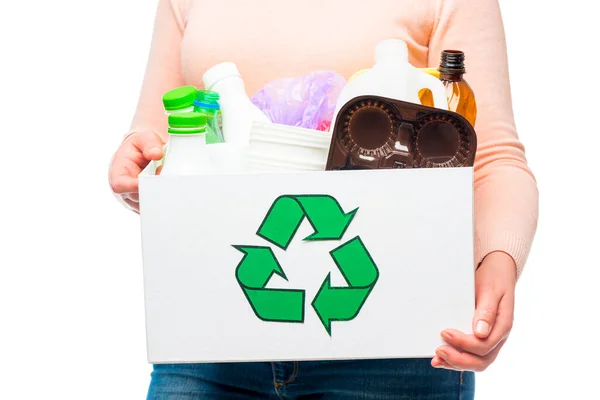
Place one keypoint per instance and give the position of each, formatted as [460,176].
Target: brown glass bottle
[461,98]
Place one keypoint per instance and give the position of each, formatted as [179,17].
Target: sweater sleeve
[506,195]
[163,69]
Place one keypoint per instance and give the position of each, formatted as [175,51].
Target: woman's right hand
[134,154]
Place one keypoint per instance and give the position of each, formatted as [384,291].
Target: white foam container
[277,148]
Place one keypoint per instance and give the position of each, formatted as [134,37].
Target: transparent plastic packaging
[306,101]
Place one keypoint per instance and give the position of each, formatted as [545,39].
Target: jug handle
[438,91]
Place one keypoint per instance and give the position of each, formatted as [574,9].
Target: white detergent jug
[238,111]
[394,77]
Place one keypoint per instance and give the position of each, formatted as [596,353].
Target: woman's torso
[287,39]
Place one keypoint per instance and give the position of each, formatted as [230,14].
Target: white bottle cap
[391,49]
[219,72]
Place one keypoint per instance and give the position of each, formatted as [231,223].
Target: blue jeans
[394,379]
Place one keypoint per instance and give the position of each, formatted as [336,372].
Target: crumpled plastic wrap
[306,101]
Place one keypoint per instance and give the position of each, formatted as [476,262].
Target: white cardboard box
[407,251]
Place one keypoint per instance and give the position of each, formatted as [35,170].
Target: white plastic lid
[289,135]
[391,49]
[219,72]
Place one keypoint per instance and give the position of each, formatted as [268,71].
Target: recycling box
[306,266]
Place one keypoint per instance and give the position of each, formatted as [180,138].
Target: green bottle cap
[187,123]
[179,98]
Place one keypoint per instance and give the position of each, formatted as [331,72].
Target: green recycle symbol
[329,222]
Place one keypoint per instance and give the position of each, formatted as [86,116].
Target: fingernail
[482,327]
[447,335]
[442,354]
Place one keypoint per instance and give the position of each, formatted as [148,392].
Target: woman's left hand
[495,282]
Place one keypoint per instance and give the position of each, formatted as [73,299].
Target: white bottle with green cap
[187,151]
[177,101]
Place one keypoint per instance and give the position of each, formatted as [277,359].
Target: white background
[71,295]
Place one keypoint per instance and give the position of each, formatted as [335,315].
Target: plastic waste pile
[391,115]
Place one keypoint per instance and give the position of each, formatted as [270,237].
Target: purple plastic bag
[307,101]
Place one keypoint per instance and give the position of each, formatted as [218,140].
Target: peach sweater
[270,39]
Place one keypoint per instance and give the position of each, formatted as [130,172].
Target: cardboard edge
[149,173]
[473,233]
[241,361]
[471,184]
[150,170]
[146,174]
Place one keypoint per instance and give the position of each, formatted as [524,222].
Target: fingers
[124,184]
[134,205]
[128,203]
[501,327]
[437,362]
[485,311]
[492,322]
[495,281]
[134,154]
[123,175]
[495,285]
[463,361]
[133,197]
[149,144]
[504,318]
[469,343]
[473,344]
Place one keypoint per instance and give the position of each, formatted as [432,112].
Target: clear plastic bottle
[460,96]
[239,113]
[187,151]
[208,102]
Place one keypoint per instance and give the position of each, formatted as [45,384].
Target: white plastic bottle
[238,111]
[187,151]
[177,101]
[394,77]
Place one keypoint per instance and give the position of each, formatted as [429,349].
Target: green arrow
[253,273]
[338,303]
[287,212]
[355,263]
[361,274]
[326,217]
[282,221]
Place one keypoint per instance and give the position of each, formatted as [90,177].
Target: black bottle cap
[453,61]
